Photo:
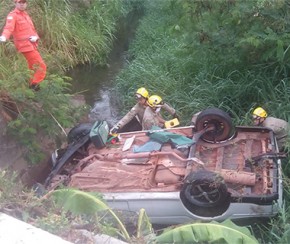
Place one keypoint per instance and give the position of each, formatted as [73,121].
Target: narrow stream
[96,82]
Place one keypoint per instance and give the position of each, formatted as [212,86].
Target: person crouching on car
[137,111]
[152,113]
[142,96]
[280,127]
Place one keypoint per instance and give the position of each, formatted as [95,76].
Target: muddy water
[96,82]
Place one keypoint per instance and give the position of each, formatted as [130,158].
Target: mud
[12,153]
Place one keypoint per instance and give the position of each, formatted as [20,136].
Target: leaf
[213,232]
[280,50]
[144,226]
[79,202]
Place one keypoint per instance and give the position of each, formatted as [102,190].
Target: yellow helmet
[143,92]
[260,112]
[155,101]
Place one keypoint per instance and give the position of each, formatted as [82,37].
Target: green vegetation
[72,32]
[198,54]
[44,213]
[228,54]
[79,202]
[195,54]
[213,232]
[62,211]
[277,230]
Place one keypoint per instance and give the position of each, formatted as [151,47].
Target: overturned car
[210,171]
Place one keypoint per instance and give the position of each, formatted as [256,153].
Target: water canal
[95,82]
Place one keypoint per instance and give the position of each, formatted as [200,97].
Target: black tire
[222,122]
[78,132]
[204,193]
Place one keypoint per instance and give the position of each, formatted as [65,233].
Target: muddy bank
[12,153]
[96,82]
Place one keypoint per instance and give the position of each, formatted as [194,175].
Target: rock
[101,238]
[81,237]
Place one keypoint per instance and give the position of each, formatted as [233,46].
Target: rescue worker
[194,118]
[280,127]
[152,113]
[138,110]
[20,26]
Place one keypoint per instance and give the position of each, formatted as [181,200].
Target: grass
[277,230]
[169,59]
[70,34]
[170,56]
[165,64]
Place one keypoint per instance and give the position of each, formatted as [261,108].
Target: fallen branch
[58,124]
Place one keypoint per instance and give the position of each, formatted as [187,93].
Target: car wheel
[220,120]
[78,132]
[204,193]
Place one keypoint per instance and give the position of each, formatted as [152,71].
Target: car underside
[208,171]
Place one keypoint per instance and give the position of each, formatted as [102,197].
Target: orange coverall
[20,26]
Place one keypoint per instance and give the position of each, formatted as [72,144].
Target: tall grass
[192,76]
[74,36]
[71,33]
[276,230]
[166,64]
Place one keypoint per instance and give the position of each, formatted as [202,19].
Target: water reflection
[88,80]
[96,82]
[102,109]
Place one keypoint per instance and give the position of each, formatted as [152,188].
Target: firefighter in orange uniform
[20,26]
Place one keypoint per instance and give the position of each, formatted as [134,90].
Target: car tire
[205,193]
[78,132]
[222,122]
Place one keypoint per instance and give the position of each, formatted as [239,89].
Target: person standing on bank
[25,38]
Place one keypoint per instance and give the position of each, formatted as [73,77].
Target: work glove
[114,130]
[33,38]
[2,39]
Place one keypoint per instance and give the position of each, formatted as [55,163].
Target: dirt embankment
[12,155]
[12,152]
